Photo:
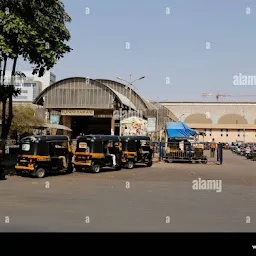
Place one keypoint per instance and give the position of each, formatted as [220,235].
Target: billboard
[133,126]
[151,124]
[54,119]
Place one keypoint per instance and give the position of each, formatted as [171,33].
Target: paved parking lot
[159,198]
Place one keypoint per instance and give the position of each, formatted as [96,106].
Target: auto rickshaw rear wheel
[96,168]
[2,175]
[78,168]
[40,173]
[204,160]
[130,165]
[70,168]
[149,164]
[118,168]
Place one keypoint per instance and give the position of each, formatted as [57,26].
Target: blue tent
[179,129]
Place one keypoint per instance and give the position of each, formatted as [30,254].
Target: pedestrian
[213,148]
[218,151]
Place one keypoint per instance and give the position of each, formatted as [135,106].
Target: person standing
[213,146]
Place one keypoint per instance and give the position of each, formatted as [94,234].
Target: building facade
[223,121]
[90,106]
[31,86]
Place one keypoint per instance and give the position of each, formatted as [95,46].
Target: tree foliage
[25,119]
[35,31]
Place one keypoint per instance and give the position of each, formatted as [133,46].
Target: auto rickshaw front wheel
[96,168]
[40,173]
[130,165]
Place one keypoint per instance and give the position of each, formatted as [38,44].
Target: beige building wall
[233,135]
[223,121]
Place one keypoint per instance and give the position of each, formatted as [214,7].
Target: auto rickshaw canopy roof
[134,138]
[99,137]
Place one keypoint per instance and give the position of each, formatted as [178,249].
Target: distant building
[223,121]
[91,106]
[32,85]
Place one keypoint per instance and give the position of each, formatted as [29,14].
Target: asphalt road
[158,199]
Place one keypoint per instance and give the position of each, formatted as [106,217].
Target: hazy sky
[164,45]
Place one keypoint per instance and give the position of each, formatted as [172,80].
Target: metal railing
[190,152]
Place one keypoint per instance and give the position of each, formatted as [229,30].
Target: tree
[35,31]
[25,120]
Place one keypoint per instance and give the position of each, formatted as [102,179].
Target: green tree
[25,119]
[35,31]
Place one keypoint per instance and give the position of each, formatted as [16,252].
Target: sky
[183,48]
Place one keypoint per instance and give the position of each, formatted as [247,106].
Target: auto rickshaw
[136,149]
[40,155]
[94,152]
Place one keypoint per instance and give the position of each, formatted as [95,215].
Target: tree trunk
[10,110]
[4,101]
[4,70]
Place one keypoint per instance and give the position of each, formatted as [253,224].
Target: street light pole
[130,96]
[157,118]
[244,128]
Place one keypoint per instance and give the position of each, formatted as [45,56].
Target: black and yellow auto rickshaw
[40,155]
[94,152]
[136,149]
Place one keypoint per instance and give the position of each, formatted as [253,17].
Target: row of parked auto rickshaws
[40,155]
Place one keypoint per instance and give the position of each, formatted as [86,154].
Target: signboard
[151,124]
[54,119]
[77,112]
[82,145]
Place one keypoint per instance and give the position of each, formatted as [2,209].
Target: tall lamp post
[130,85]
[244,128]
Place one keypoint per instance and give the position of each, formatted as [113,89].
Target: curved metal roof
[122,99]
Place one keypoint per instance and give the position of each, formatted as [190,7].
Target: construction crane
[218,95]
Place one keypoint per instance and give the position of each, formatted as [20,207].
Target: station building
[88,106]
[223,121]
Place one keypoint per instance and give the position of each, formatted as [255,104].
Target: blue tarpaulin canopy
[179,129]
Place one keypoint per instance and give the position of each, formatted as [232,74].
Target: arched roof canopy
[81,92]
